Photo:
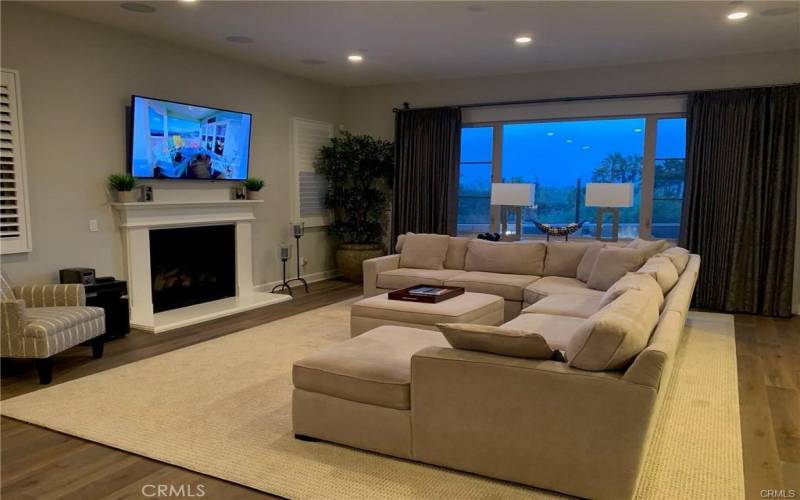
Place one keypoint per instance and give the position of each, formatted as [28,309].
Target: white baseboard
[310,278]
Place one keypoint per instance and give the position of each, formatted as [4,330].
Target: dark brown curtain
[427,148]
[740,205]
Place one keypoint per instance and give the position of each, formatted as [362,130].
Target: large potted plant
[359,171]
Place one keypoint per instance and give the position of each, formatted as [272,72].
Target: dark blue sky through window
[557,153]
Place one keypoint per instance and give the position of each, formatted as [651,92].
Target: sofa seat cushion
[405,277]
[557,285]
[556,330]
[508,286]
[577,306]
[373,368]
[47,321]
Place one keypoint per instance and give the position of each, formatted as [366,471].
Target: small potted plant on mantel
[252,186]
[122,186]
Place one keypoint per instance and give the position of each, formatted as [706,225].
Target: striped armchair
[39,321]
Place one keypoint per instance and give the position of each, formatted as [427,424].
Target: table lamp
[512,195]
[609,197]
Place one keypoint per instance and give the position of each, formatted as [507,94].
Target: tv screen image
[173,140]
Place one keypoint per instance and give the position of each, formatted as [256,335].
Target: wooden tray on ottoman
[406,296]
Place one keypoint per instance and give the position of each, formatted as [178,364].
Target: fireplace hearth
[192,265]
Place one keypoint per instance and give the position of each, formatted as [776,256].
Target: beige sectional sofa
[578,423]
[520,272]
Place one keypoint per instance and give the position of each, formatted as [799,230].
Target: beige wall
[77,78]
[368,109]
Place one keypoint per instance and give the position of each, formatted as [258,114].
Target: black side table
[112,296]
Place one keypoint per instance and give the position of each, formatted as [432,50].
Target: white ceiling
[413,41]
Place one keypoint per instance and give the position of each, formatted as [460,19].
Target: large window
[561,157]
[475,180]
[670,170]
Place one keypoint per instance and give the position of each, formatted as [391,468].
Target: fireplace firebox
[192,265]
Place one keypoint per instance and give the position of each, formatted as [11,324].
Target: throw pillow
[612,337]
[662,270]
[679,257]
[648,248]
[520,257]
[424,251]
[612,264]
[588,260]
[634,281]
[563,259]
[496,340]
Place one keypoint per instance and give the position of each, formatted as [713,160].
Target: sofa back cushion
[662,270]
[613,336]
[456,250]
[518,257]
[612,264]
[679,257]
[634,281]
[424,251]
[647,247]
[586,264]
[563,258]
[496,340]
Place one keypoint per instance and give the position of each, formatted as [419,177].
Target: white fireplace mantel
[135,220]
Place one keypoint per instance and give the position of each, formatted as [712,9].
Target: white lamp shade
[609,194]
[511,194]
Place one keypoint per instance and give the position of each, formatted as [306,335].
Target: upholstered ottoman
[372,312]
[358,392]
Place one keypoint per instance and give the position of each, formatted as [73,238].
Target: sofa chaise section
[358,392]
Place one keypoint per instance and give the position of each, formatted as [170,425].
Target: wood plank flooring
[39,463]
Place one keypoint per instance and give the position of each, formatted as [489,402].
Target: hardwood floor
[768,358]
[39,463]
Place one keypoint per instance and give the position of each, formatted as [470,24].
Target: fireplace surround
[136,221]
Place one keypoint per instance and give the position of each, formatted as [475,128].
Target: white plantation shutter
[309,187]
[14,225]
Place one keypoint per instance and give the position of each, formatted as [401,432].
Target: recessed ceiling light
[239,39]
[569,141]
[138,7]
[737,15]
[523,40]
[586,147]
[355,58]
[637,130]
[551,134]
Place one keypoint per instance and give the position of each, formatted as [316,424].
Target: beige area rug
[223,408]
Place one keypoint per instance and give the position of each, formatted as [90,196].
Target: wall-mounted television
[173,140]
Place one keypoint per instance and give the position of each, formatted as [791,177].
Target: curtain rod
[407,107]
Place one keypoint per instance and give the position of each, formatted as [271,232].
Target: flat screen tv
[172,140]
